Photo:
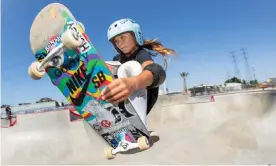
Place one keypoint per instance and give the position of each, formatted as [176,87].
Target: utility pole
[165,87]
[253,71]
[236,68]
[247,67]
[165,82]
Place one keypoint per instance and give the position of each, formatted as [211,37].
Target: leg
[138,98]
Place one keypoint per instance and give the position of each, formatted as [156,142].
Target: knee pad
[129,69]
[159,74]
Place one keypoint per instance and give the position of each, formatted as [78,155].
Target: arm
[153,75]
[144,79]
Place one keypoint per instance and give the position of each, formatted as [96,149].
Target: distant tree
[5,105]
[233,80]
[45,99]
[254,82]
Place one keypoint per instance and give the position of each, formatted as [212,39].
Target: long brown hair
[155,45]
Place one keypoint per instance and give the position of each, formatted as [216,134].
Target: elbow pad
[159,74]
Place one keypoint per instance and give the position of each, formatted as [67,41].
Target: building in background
[269,83]
[228,87]
[23,108]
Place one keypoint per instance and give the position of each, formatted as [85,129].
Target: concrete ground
[235,129]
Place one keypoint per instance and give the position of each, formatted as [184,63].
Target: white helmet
[125,25]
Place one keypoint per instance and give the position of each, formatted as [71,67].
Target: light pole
[165,82]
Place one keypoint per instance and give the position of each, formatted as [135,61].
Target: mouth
[123,48]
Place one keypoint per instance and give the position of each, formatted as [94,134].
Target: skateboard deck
[64,52]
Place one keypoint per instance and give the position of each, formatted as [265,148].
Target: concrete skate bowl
[235,129]
[6,123]
[44,138]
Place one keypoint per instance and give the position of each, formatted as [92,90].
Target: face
[125,42]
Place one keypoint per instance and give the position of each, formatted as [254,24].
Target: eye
[115,41]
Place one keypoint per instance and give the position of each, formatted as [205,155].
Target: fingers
[117,91]
[118,97]
[113,89]
[112,92]
[109,87]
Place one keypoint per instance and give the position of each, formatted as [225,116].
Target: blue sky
[202,32]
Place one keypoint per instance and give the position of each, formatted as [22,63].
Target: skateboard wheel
[71,39]
[82,26]
[143,143]
[34,73]
[153,134]
[108,153]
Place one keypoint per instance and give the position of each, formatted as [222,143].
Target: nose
[119,44]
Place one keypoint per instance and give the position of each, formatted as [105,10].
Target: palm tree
[184,75]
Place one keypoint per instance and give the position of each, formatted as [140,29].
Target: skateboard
[64,52]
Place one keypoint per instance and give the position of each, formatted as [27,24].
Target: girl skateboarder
[134,55]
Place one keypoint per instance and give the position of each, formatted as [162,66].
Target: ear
[133,37]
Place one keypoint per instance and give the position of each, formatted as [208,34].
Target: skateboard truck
[142,143]
[69,39]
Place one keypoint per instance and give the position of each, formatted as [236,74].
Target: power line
[247,66]
[236,68]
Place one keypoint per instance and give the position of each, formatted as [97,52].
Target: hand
[119,90]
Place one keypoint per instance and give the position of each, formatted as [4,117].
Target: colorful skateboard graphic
[65,53]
